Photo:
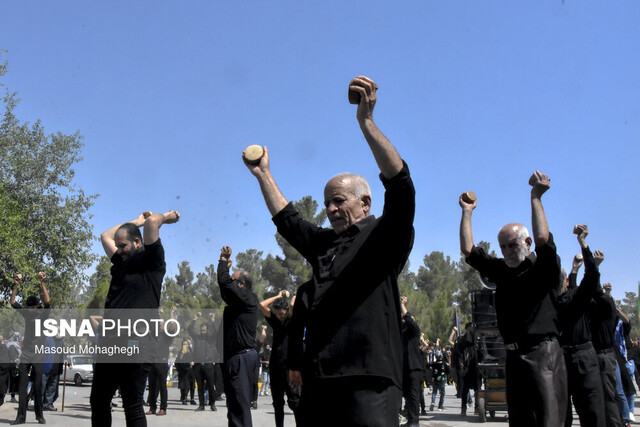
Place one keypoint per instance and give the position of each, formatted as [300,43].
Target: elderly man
[527,288]
[136,283]
[350,309]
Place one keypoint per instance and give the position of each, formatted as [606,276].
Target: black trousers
[205,376]
[256,379]
[279,388]
[411,392]
[585,386]
[350,401]
[5,374]
[219,379]
[158,385]
[607,362]
[36,375]
[239,374]
[537,385]
[107,377]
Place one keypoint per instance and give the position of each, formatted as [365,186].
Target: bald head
[347,198]
[357,184]
[515,243]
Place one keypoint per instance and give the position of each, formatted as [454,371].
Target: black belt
[529,342]
[577,347]
[244,351]
[605,351]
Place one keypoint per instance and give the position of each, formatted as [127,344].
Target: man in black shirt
[583,372]
[350,309]
[240,318]
[412,365]
[603,318]
[136,283]
[467,365]
[279,317]
[527,288]
[31,312]
[203,355]
[160,367]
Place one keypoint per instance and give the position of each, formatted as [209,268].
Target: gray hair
[360,185]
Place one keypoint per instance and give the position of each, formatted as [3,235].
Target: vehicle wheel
[492,414]
[77,380]
[481,412]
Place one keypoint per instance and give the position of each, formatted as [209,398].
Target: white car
[80,369]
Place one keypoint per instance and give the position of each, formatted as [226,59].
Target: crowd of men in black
[347,341]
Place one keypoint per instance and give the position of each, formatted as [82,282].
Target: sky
[474,95]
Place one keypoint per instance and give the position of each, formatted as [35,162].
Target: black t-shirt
[603,318]
[240,316]
[574,304]
[280,341]
[527,295]
[163,344]
[137,281]
[412,358]
[203,345]
[30,341]
[350,309]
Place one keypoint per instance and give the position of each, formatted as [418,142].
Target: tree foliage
[48,210]
[183,292]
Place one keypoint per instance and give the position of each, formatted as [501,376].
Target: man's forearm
[466,233]
[45,294]
[539,225]
[386,155]
[273,197]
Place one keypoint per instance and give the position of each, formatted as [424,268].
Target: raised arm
[272,196]
[16,282]
[403,305]
[264,305]
[153,222]
[540,184]
[108,238]
[45,294]
[466,234]
[386,155]
[453,334]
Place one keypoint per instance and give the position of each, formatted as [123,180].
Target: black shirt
[137,281]
[440,370]
[603,318]
[574,303]
[240,315]
[527,295]
[163,345]
[280,340]
[203,344]
[412,358]
[350,309]
[30,341]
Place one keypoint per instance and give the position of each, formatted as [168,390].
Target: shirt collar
[359,226]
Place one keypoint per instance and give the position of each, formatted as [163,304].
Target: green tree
[469,283]
[629,306]
[14,240]
[251,261]
[95,293]
[36,172]
[438,276]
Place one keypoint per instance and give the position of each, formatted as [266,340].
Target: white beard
[522,254]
